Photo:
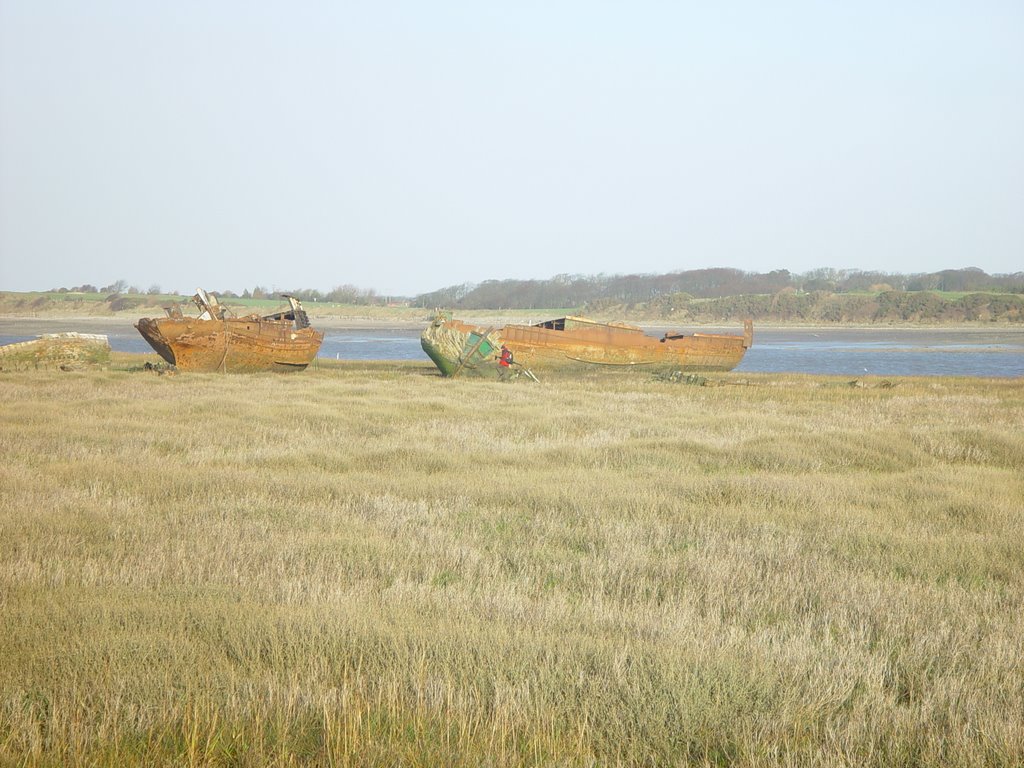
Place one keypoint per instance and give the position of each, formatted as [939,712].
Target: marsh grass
[367,564]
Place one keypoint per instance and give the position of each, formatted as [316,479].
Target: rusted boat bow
[217,340]
[569,344]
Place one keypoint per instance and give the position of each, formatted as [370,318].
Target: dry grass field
[369,565]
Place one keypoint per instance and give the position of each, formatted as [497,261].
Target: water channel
[974,351]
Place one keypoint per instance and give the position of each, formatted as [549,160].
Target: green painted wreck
[571,345]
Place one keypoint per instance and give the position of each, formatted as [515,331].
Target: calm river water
[842,351]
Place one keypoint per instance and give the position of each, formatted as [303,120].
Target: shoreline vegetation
[896,309]
[368,564]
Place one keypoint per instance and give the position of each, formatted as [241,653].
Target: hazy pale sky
[406,146]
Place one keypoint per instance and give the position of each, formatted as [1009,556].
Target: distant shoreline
[29,325]
[84,322]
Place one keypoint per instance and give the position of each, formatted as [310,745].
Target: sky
[407,146]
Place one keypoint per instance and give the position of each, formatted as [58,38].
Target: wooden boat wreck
[69,351]
[217,340]
[575,344]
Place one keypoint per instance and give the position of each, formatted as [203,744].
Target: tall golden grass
[369,565]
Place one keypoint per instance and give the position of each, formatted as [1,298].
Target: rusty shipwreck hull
[217,342]
[575,344]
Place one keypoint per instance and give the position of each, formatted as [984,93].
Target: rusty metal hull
[232,345]
[569,345]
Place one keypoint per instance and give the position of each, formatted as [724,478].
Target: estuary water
[888,352]
[971,351]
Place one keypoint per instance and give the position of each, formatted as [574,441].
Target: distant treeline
[342,294]
[700,295]
[591,292]
[825,307]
